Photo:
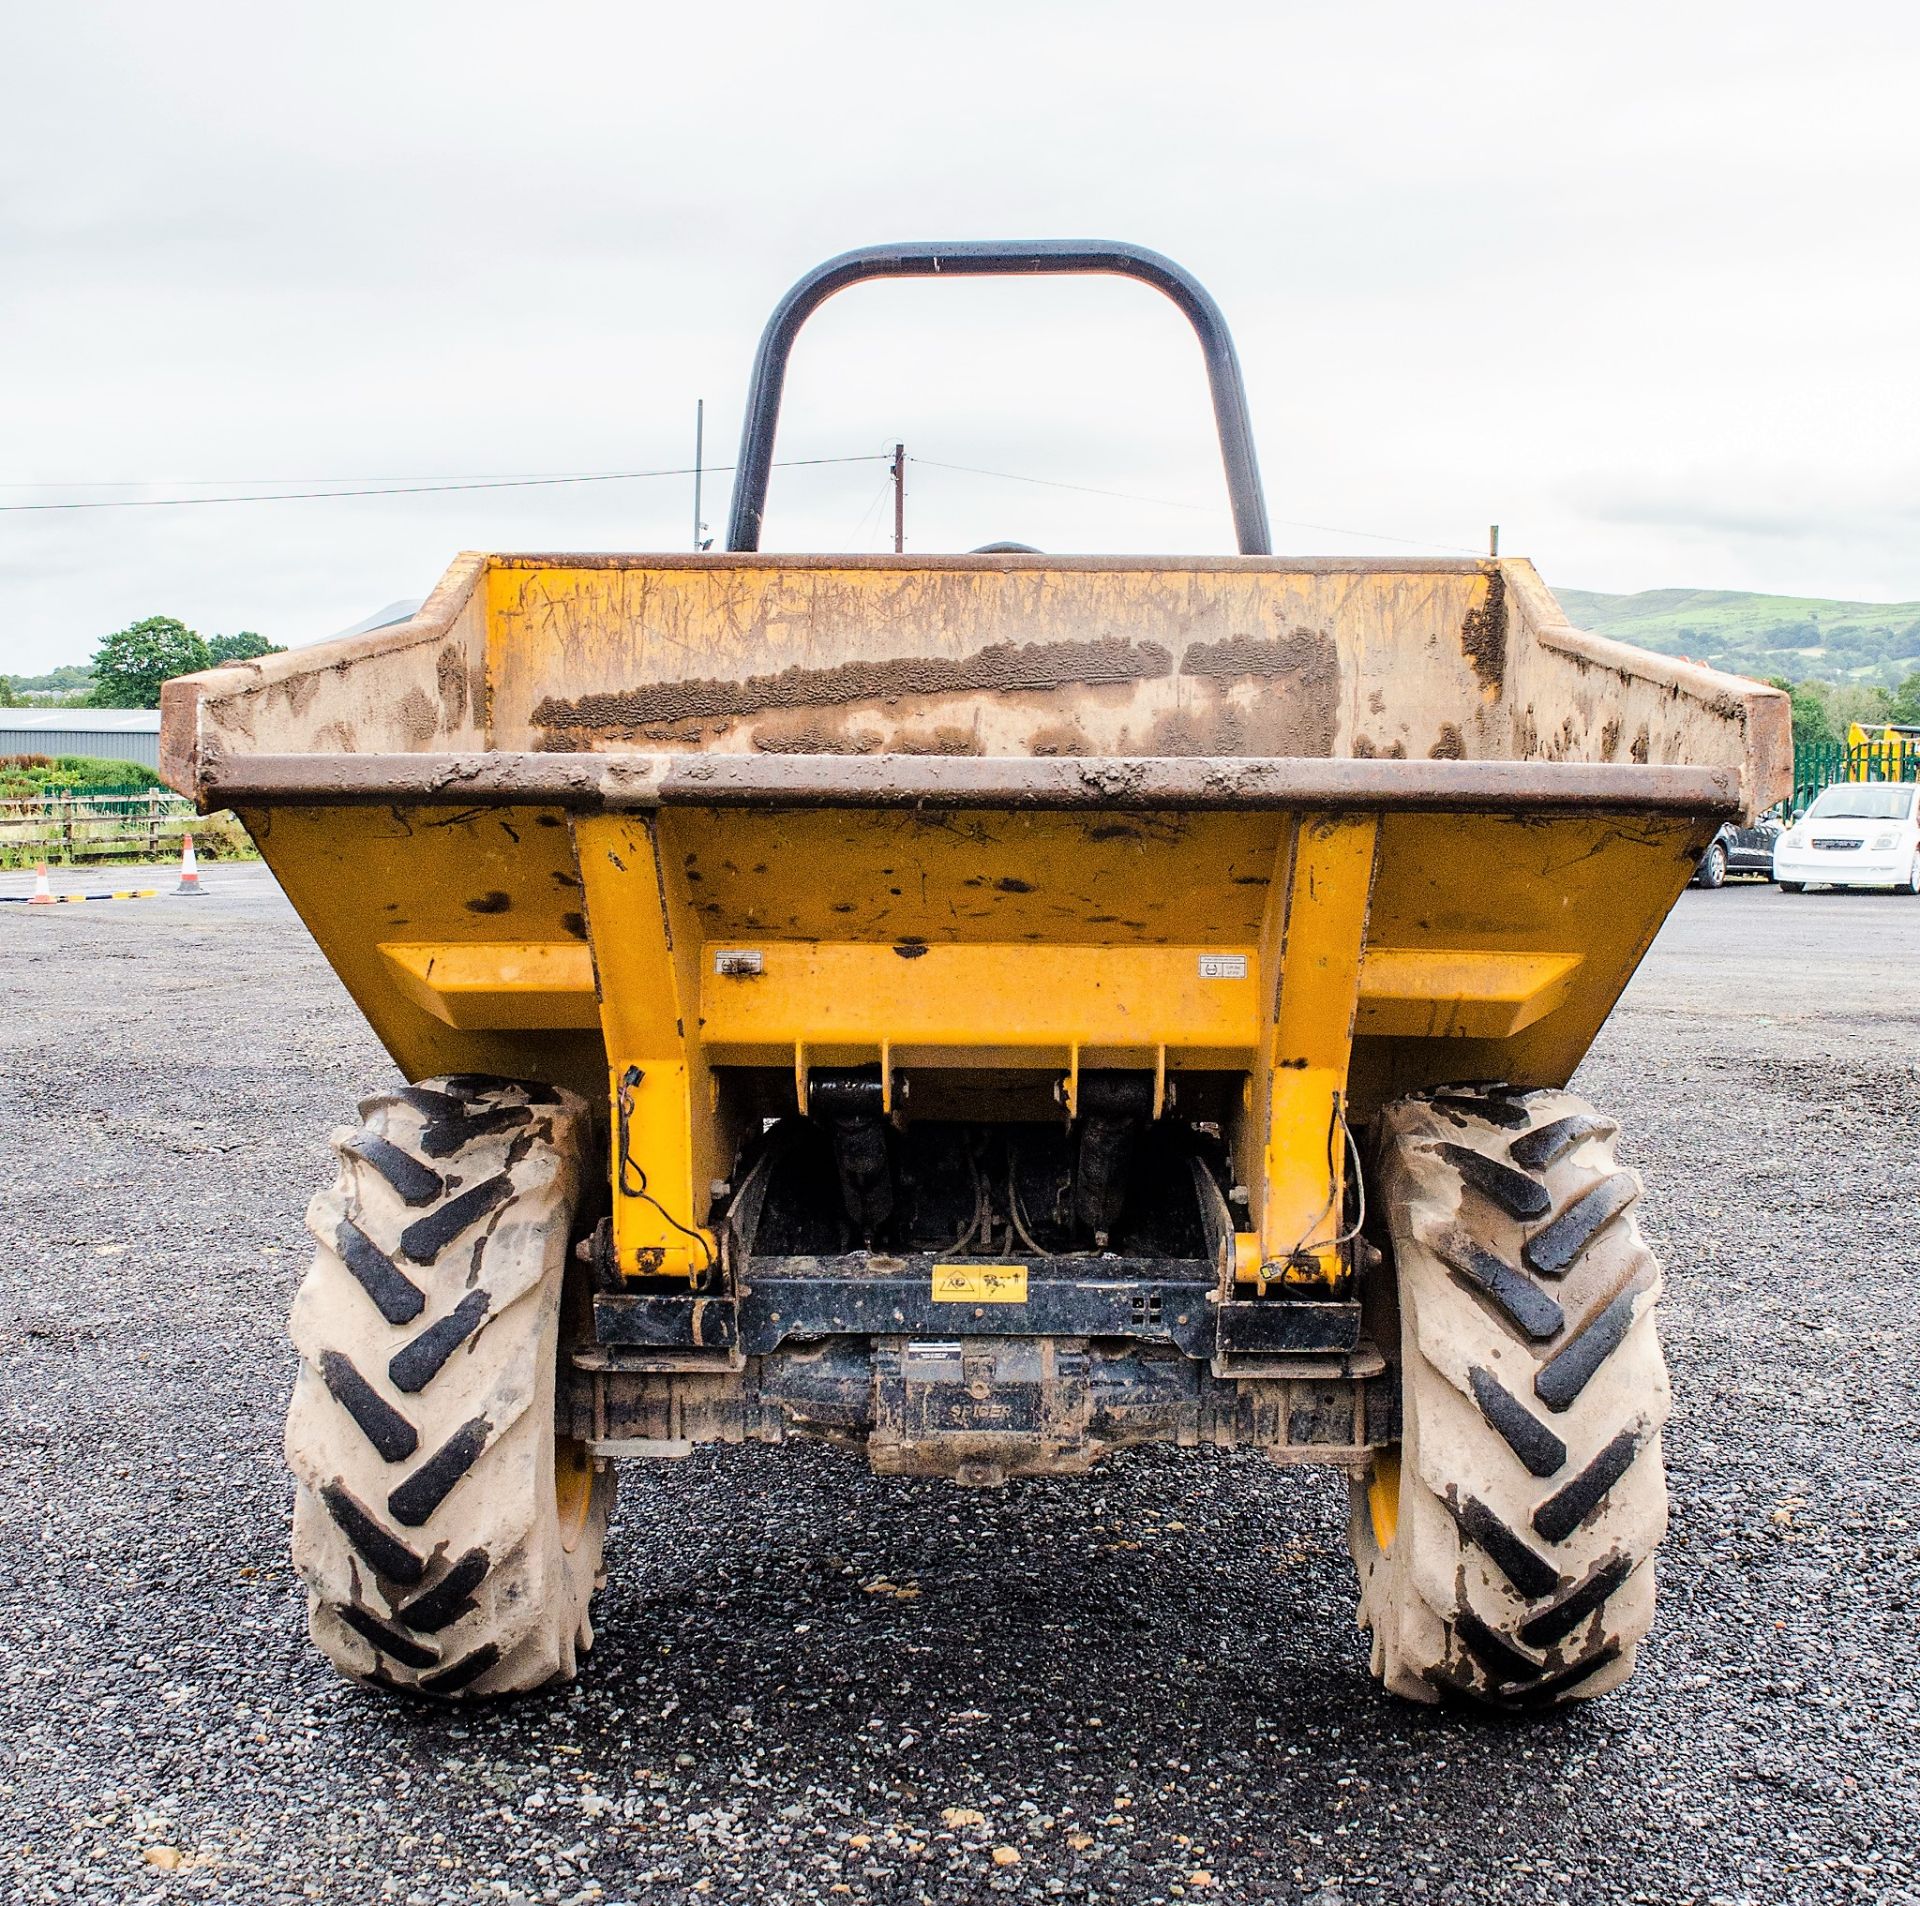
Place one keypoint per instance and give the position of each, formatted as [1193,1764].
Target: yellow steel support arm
[646,954]
[1315,991]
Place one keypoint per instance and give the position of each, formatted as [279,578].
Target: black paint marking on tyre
[441,1137]
[415,1365]
[1544,1693]
[1547,1144]
[1558,1383]
[1495,1110]
[384,1552]
[425,1238]
[478,1085]
[1503,1663]
[1555,1248]
[1533,1575]
[1530,1439]
[1524,1304]
[397,1297]
[1513,1191]
[450,1597]
[1564,1511]
[1556,1623]
[424,1491]
[380,1423]
[431,1104]
[389,1641]
[471,1668]
[416,1184]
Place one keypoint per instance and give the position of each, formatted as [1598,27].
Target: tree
[243,647]
[70,678]
[1905,706]
[130,664]
[1811,723]
[10,697]
[1864,702]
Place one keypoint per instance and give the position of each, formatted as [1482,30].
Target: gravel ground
[814,1684]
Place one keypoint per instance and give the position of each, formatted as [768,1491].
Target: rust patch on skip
[1244,657]
[1294,681]
[999,668]
[946,739]
[1610,739]
[419,719]
[1060,738]
[1451,745]
[816,734]
[1483,637]
[450,671]
[494,902]
[1192,731]
[1302,723]
[1642,747]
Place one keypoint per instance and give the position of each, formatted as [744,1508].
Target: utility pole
[699,445]
[899,499]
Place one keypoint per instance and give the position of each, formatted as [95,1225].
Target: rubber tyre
[1793,886]
[449,1544]
[1713,867]
[1913,877]
[1511,1560]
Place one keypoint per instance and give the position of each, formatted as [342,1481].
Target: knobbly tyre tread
[421,1432]
[1533,1392]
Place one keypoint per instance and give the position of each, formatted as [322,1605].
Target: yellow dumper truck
[988,1011]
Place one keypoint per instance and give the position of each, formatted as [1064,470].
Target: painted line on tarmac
[74,899]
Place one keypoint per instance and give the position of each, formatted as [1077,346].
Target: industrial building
[110,734]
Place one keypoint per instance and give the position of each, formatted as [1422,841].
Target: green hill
[1798,637]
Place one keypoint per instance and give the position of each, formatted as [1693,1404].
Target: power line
[407,489]
[1051,483]
[872,509]
[1167,502]
[237,483]
[455,485]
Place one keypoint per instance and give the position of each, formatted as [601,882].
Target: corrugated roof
[75,721]
[381,619]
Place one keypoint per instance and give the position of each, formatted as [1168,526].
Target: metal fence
[95,826]
[1822,763]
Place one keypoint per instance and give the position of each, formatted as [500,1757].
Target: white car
[1856,834]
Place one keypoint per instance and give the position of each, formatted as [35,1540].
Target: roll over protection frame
[1005,258]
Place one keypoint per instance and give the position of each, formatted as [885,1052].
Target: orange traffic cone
[42,892]
[189,869]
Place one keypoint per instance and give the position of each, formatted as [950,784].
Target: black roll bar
[1015,257]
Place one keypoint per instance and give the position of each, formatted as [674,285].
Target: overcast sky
[1639,283]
